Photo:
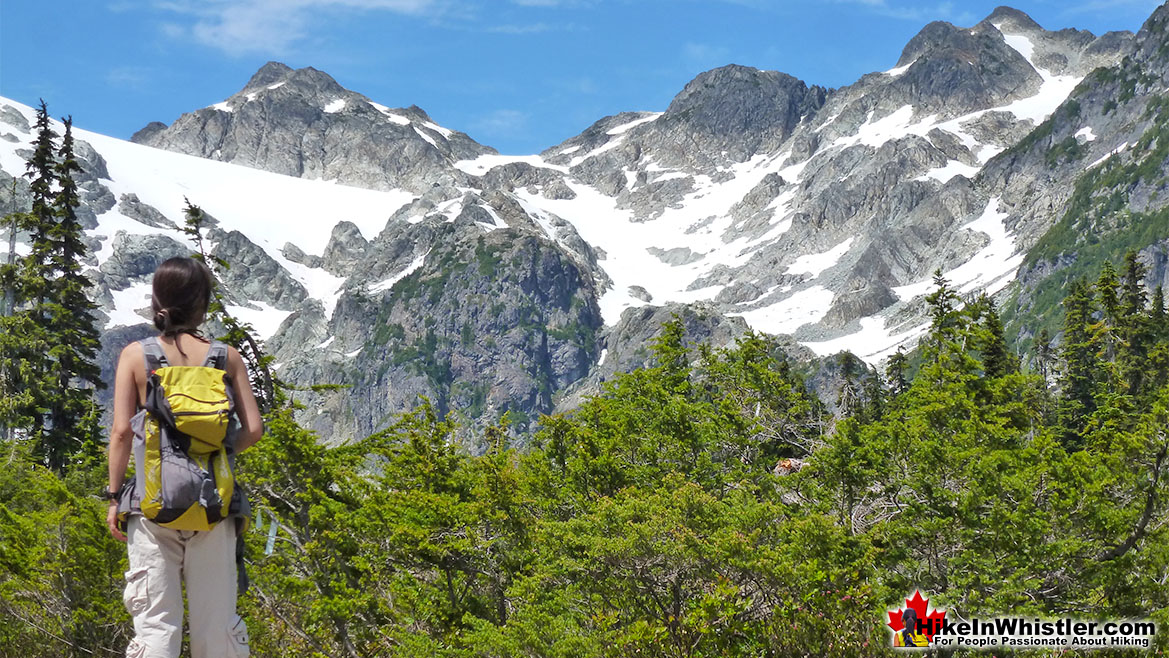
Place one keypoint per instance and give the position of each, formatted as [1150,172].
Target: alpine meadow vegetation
[706,505]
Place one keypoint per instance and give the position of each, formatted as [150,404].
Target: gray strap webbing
[155,356]
[217,356]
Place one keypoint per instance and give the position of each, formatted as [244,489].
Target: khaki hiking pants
[161,559]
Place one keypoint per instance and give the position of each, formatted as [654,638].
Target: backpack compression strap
[155,356]
[217,356]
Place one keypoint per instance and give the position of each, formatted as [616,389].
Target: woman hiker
[161,558]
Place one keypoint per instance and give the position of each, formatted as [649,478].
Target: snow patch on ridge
[256,203]
[807,306]
[1054,90]
[873,343]
[265,319]
[951,169]
[386,284]
[1116,151]
[991,269]
[626,127]
[816,264]
[126,302]
[898,70]
[484,163]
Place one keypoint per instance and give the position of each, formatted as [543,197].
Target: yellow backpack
[183,440]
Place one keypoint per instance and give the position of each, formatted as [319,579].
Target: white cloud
[706,54]
[917,12]
[534,28]
[273,27]
[503,123]
[128,77]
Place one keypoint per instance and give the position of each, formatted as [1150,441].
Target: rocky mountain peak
[308,84]
[270,73]
[1153,38]
[1012,20]
[736,99]
[302,122]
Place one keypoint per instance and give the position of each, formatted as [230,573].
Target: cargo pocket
[135,649]
[135,596]
[237,639]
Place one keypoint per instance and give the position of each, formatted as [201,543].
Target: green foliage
[60,573]
[239,335]
[1098,225]
[48,334]
[706,505]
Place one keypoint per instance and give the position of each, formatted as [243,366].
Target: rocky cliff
[403,259]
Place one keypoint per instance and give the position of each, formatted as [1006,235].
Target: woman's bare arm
[130,366]
[251,424]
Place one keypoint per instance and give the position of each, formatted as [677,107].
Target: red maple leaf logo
[931,623]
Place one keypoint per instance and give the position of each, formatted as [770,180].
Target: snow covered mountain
[376,249]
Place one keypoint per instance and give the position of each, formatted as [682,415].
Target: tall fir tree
[1079,377]
[1104,328]
[945,319]
[49,340]
[71,325]
[1157,315]
[897,372]
[1045,356]
[239,335]
[1133,327]
[996,360]
[24,336]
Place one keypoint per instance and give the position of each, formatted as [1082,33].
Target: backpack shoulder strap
[216,356]
[155,356]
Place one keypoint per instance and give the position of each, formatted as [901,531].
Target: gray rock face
[490,323]
[11,116]
[737,109]
[479,295]
[1094,146]
[302,123]
[130,206]
[134,259]
[254,274]
[346,249]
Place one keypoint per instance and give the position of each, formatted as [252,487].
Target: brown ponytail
[181,295]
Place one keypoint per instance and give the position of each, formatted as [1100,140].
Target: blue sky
[518,75]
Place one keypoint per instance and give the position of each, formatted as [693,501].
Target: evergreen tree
[25,340]
[239,335]
[69,320]
[848,400]
[876,397]
[49,340]
[1132,295]
[1079,377]
[1157,315]
[1045,356]
[1103,330]
[1133,328]
[996,360]
[896,371]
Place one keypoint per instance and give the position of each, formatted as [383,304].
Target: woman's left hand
[112,521]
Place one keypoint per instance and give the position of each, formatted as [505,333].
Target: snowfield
[274,210]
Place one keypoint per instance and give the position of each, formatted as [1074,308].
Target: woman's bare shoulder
[132,350]
[131,360]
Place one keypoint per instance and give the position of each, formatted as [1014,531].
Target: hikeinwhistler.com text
[1039,633]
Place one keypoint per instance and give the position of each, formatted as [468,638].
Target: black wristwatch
[111,495]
